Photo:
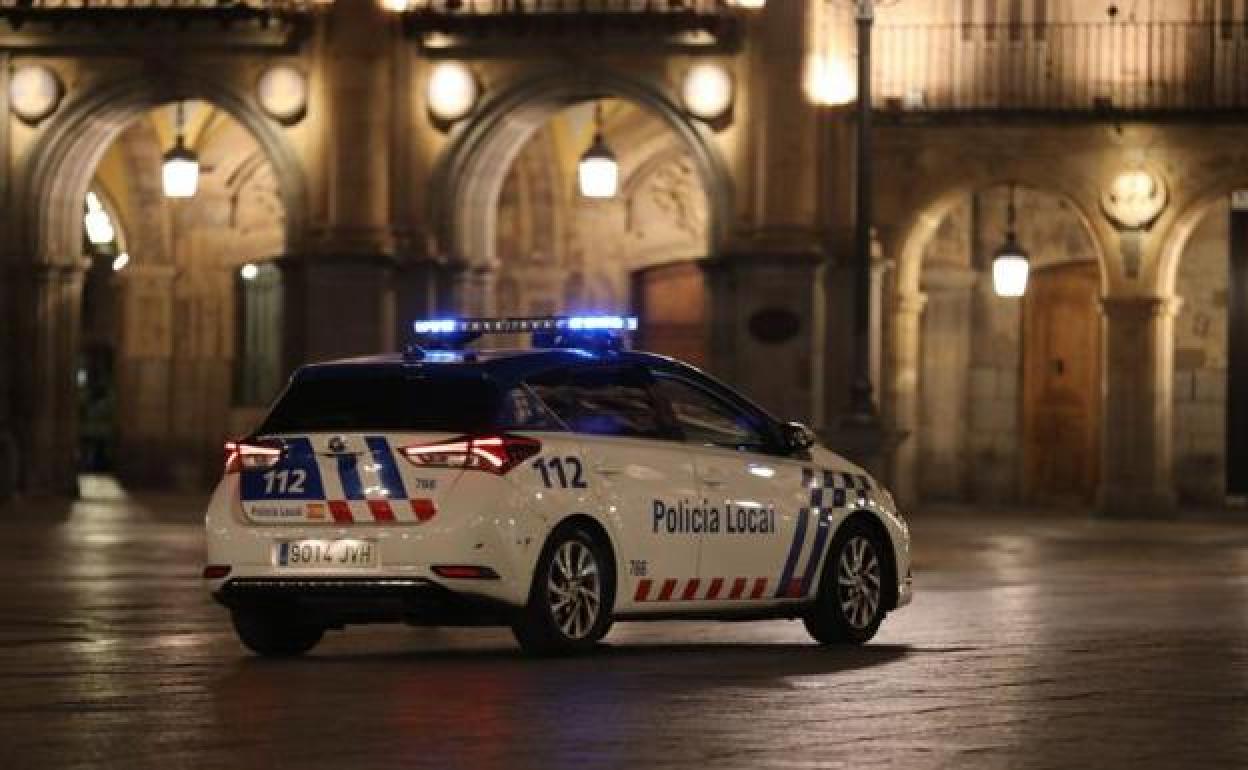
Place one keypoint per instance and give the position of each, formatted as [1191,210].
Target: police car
[553,489]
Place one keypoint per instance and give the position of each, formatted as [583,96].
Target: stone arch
[907,242]
[913,235]
[59,169]
[49,188]
[1185,222]
[466,182]
[1196,395]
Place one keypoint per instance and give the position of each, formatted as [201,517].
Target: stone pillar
[765,330]
[356,67]
[473,289]
[338,285]
[945,374]
[1137,474]
[420,292]
[47,310]
[144,373]
[879,269]
[779,180]
[902,392]
[337,306]
[765,295]
[8,441]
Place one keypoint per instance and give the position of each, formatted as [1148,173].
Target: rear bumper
[334,601]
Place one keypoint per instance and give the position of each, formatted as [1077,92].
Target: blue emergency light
[595,332]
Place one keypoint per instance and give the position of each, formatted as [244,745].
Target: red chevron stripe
[717,585]
[738,588]
[423,509]
[643,591]
[760,585]
[381,510]
[341,511]
[691,590]
[669,586]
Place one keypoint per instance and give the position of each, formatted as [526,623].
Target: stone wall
[1200,342]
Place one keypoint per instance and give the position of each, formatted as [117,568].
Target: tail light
[494,454]
[251,455]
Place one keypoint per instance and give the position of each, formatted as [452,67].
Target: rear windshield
[389,401]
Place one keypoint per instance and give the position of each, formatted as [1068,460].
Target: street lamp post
[861,394]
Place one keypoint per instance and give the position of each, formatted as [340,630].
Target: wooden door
[1062,385]
[671,304]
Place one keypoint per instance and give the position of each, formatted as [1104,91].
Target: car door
[756,548]
[642,479]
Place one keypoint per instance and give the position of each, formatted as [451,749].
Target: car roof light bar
[594,332]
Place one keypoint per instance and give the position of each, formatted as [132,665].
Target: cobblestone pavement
[1044,641]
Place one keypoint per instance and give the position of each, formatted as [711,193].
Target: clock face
[283,93]
[34,92]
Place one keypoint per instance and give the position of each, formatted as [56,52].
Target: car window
[383,401]
[602,402]
[522,410]
[707,419]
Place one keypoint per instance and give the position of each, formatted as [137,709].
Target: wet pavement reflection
[1037,641]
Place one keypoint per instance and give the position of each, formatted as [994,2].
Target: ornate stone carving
[675,191]
[1134,199]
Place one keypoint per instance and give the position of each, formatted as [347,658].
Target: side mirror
[798,437]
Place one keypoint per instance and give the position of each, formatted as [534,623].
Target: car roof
[504,366]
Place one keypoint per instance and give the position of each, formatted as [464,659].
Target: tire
[850,604]
[275,633]
[570,601]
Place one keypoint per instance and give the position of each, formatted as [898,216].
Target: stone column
[473,289]
[337,306]
[8,441]
[144,373]
[1137,453]
[945,374]
[338,285]
[765,327]
[765,296]
[779,178]
[47,311]
[879,269]
[902,392]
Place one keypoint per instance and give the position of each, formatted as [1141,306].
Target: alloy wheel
[858,582]
[574,589]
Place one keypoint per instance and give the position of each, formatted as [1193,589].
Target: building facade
[364,163]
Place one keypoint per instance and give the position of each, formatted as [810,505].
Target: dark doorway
[96,374]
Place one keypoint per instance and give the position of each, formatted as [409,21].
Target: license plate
[329,554]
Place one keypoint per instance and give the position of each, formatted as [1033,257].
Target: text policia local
[733,519]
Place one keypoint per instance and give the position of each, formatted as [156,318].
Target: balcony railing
[468,23]
[1114,67]
[103,24]
[241,6]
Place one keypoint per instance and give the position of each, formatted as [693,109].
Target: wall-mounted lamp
[598,173]
[1010,267]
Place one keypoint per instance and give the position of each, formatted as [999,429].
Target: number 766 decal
[561,472]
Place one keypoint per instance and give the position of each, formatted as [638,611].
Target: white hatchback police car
[554,490]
